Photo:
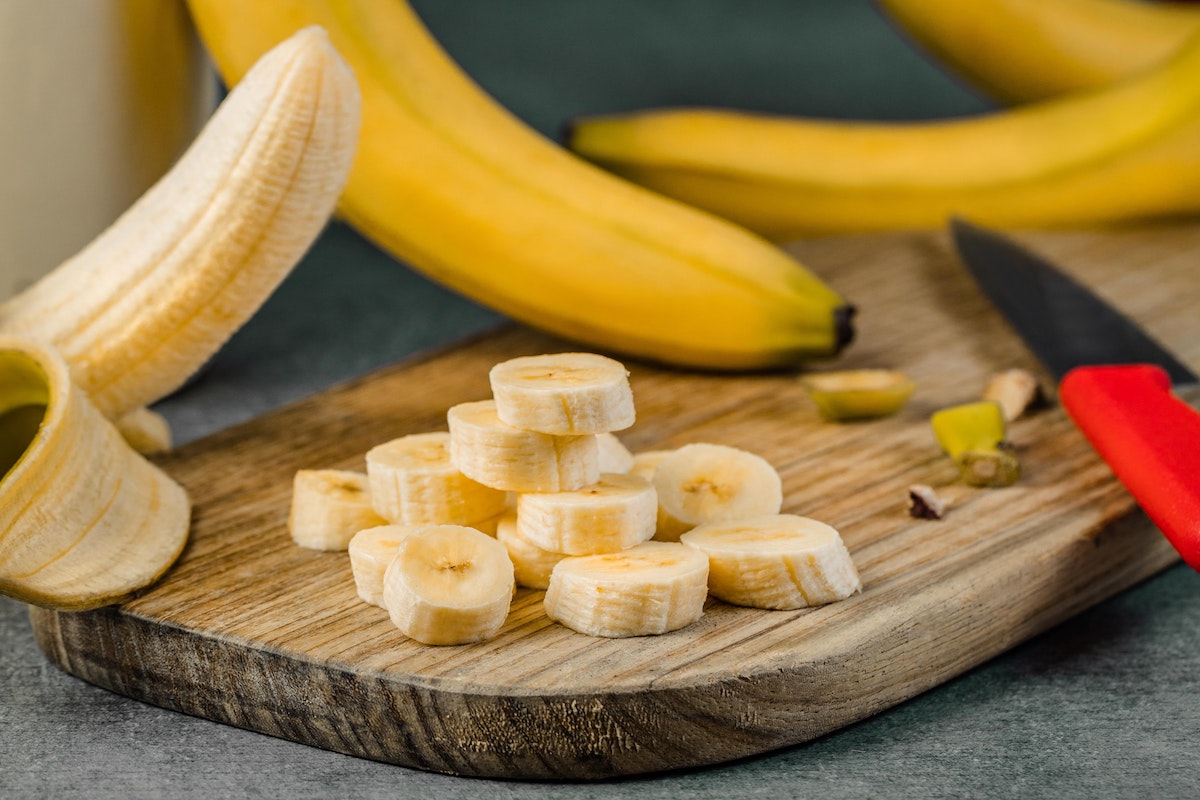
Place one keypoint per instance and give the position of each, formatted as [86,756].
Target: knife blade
[1114,381]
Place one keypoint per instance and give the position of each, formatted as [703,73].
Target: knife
[1115,382]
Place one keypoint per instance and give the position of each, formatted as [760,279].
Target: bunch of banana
[85,521]
[1128,151]
[450,182]
[1023,50]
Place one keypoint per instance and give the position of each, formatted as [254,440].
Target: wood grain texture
[250,630]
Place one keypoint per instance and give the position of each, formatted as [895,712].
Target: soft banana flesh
[85,520]
[329,506]
[453,184]
[563,394]
[141,308]
[705,482]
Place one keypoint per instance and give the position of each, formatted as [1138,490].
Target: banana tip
[843,326]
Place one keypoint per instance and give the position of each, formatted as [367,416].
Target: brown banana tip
[843,326]
[566,132]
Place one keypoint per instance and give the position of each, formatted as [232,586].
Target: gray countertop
[1105,705]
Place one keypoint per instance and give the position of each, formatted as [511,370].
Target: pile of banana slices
[532,488]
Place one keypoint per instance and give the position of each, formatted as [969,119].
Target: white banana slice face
[649,589]
[531,564]
[496,454]
[329,506]
[614,455]
[413,482]
[701,483]
[371,551]
[645,464]
[780,561]
[616,512]
[449,584]
[563,393]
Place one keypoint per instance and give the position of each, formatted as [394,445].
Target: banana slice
[614,455]
[616,512]
[780,561]
[531,564]
[702,482]
[329,506]
[563,393]
[413,481]
[649,589]
[667,528]
[449,584]
[506,458]
[84,520]
[371,551]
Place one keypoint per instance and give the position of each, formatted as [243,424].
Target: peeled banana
[615,513]
[144,305]
[1026,50]
[84,520]
[1125,152]
[450,182]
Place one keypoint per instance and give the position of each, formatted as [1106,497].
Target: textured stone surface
[1103,706]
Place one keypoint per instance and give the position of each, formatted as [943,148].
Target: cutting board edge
[596,731]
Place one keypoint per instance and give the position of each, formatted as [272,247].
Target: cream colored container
[97,100]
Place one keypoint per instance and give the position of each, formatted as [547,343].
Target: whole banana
[1023,50]
[1129,151]
[137,311]
[450,182]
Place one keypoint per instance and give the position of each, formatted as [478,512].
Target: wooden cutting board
[249,630]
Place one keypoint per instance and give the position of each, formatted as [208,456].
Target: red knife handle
[1151,440]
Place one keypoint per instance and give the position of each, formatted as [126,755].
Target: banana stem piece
[143,306]
[84,520]
[858,394]
[975,436]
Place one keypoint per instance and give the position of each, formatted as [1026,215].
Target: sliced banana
[531,564]
[616,512]
[371,551]
[563,393]
[328,507]
[510,459]
[667,528]
[614,455]
[780,561]
[649,589]
[413,481]
[702,482]
[449,584]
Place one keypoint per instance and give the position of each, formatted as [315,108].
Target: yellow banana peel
[451,183]
[1128,151]
[1019,51]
